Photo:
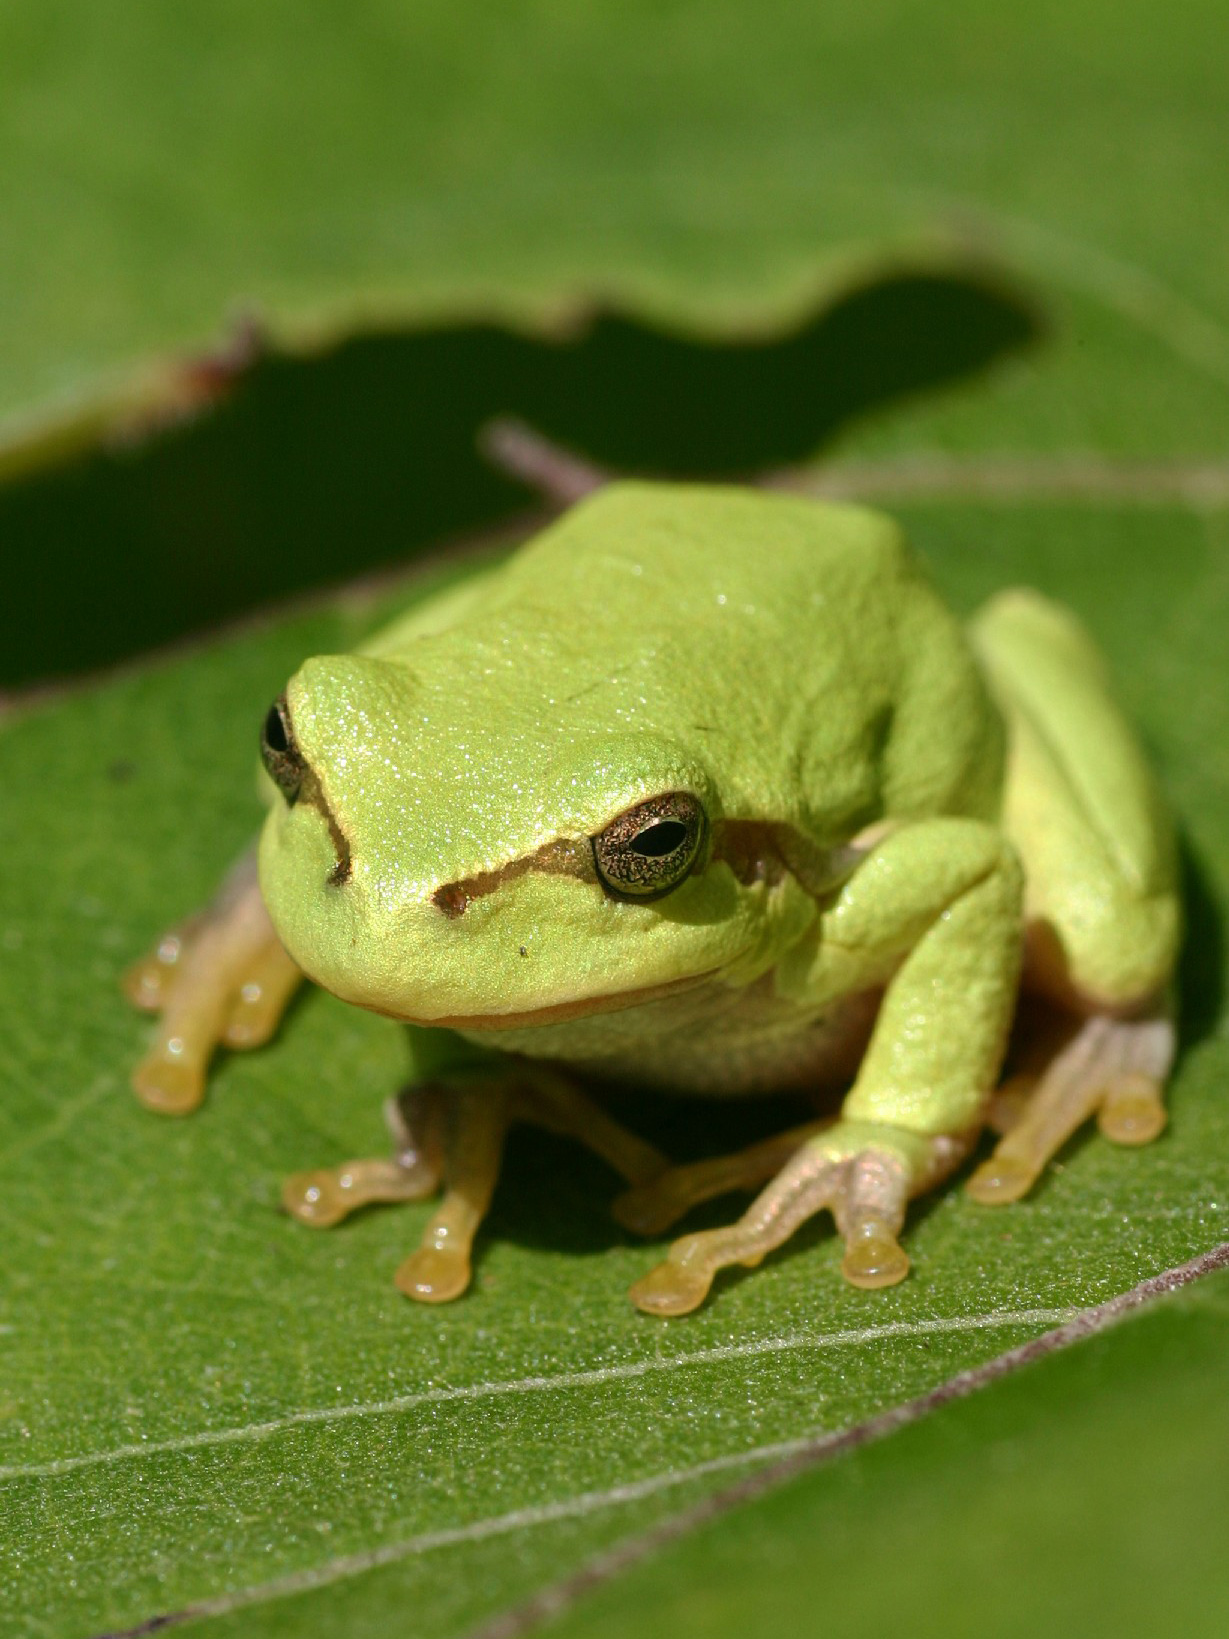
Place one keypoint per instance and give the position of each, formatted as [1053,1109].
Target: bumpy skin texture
[885,819]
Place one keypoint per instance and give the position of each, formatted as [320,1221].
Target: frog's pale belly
[710,1040]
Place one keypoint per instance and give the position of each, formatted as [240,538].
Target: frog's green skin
[898,811]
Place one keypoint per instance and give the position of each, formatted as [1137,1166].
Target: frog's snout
[279,751]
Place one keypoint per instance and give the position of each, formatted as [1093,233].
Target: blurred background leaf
[184,188]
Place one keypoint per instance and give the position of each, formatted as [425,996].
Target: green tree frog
[704,789]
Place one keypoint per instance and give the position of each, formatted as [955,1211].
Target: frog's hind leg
[1101,908]
[1114,1069]
[221,978]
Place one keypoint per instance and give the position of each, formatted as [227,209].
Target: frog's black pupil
[655,841]
[275,731]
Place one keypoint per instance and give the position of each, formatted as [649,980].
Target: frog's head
[475,838]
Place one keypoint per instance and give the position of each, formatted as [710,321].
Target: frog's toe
[171,1080]
[434,1274]
[1133,1111]
[326,1195]
[679,1284]
[147,983]
[263,995]
[1111,1068]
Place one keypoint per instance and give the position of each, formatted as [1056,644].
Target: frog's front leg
[452,1130]
[324,1196]
[221,978]
[935,911]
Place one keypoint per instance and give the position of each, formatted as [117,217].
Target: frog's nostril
[280,752]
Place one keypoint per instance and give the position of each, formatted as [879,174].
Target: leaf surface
[205,1401]
[205,1410]
[1087,1494]
[716,165]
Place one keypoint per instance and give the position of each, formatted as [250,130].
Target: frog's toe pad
[872,1261]
[671,1289]
[1000,1180]
[168,1085]
[1133,1111]
[434,1274]
[314,1198]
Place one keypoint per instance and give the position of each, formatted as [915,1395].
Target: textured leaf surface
[206,1408]
[1086,1495]
[164,168]
[206,1402]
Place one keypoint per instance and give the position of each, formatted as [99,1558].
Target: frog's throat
[556,1012]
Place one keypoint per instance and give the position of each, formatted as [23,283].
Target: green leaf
[323,169]
[1086,1495]
[209,1406]
[209,1412]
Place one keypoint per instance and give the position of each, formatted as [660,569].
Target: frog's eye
[279,750]
[650,849]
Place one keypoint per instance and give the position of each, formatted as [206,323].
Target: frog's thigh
[1084,812]
[222,978]
[1102,907]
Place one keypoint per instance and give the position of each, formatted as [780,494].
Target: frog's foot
[863,1174]
[477,1125]
[1113,1068]
[455,1132]
[221,978]
[1042,1032]
[651,1207]
[326,1195]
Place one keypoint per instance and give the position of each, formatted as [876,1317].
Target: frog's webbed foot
[1112,1068]
[454,1132]
[862,1174]
[219,979]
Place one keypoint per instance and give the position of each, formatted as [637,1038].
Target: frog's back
[802,631]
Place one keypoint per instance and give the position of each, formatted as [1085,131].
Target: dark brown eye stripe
[754,850]
[563,857]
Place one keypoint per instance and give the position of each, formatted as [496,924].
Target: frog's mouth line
[556,1012]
